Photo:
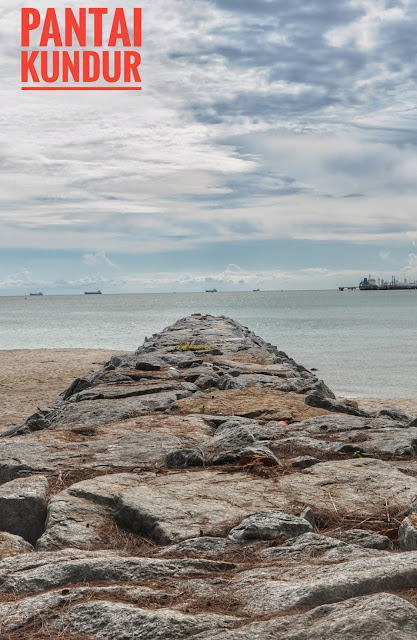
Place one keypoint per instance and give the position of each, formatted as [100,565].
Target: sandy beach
[33,377]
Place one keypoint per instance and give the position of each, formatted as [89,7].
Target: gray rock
[407,533]
[363,538]
[266,591]
[323,549]
[73,522]
[148,365]
[45,570]
[201,546]
[207,381]
[247,454]
[23,507]
[356,486]
[122,621]
[229,382]
[377,617]
[308,515]
[11,545]
[315,399]
[396,415]
[19,458]
[303,462]
[182,458]
[268,525]
[181,505]
[122,418]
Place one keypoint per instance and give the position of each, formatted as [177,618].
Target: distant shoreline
[33,377]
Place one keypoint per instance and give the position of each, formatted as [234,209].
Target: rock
[247,456]
[182,458]
[11,545]
[205,545]
[303,462]
[367,539]
[23,507]
[373,617]
[308,515]
[407,533]
[269,525]
[175,506]
[117,445]
[147,365]
[265,591]
[323,549]
[122,621]
[334,433]
[73,522]
[396,415]
[82,516]
[45,570]
[315,399]
[356,486]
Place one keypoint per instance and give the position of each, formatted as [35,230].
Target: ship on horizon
[371,284]
[92,293]
[379,284]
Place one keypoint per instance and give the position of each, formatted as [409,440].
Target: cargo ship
[370,284]
[92,293]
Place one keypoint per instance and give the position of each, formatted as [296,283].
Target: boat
[92,293]
[211,290]
[36,294]
[370,284]
[255,289]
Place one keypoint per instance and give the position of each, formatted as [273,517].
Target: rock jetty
[207,487]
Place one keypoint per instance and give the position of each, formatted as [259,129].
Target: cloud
[385,255]
[98,258]
[258,120]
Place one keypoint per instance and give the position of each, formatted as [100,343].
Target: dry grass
[117,538]
[252,402]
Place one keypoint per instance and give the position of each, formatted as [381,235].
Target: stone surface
[323,549]
[380,617]
[174,507]
[117,620]
[367,539]
[268,525]
[182,458]
[176,479]
[357,486]
[23,507]
[316,399]
[41,571]
[266,591]
[12,545]
[407,533]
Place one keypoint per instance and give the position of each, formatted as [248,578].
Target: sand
[33,377]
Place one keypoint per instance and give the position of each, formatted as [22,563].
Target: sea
[362,343]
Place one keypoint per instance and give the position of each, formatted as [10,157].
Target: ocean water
[363,344]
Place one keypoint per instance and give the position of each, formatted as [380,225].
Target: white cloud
[98,258]
[240,133]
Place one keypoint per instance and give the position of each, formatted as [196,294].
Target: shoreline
[33,377]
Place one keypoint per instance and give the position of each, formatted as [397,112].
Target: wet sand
[33,377]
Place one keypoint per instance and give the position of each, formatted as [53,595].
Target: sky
[273,145]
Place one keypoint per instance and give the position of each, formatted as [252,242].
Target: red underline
[81,88]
